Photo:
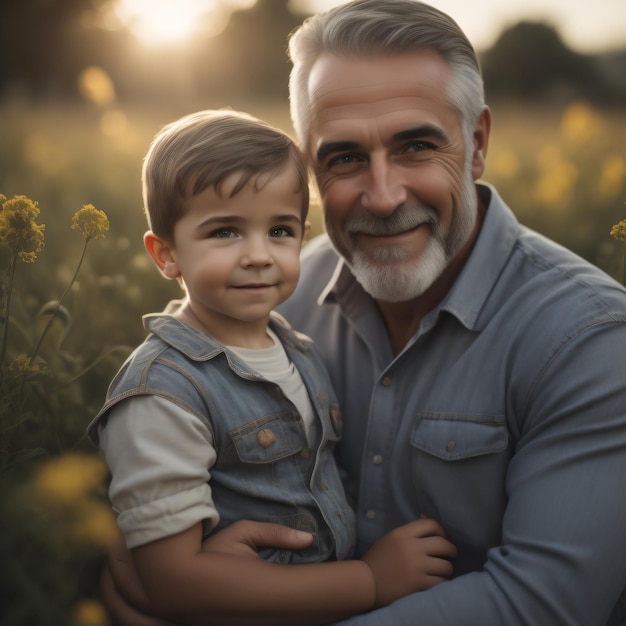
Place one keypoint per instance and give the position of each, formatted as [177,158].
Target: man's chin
[398,280]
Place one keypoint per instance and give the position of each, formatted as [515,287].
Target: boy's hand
[411,558]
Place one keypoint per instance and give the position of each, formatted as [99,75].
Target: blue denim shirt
[504,418]
[266,470]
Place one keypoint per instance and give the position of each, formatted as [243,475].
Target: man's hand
[411,558]
[244,538]
[122,591]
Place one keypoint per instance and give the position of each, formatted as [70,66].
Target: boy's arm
[223,585]
[184,583]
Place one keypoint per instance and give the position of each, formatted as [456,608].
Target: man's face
[396,183]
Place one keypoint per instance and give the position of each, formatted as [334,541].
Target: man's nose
[385,187]
[257,252]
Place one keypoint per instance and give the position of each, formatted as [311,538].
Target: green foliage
[55,517]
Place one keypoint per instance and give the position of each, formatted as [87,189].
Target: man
[481,368]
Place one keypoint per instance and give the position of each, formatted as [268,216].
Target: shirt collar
[199,346]
[465,300]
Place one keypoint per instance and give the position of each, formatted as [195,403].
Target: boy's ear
[305,231]
[162,254]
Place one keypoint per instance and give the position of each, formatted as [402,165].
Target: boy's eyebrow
[219,219]
[225,220]
[419,132]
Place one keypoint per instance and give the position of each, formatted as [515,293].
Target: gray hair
[366,28]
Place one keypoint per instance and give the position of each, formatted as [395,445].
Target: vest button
[266,437]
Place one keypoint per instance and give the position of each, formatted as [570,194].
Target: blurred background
[85,85]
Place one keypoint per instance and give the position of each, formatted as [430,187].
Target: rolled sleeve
[159,456]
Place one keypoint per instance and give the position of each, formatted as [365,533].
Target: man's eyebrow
[421,132]
[332,147]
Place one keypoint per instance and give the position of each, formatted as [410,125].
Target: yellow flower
[89,613]
[93,523]
[69,478]
[21,366]
[619,231]
[18,229]
[91,222]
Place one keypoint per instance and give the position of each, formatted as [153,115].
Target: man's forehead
[339,77]
[383,95]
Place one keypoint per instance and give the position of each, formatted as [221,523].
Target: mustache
[405,217]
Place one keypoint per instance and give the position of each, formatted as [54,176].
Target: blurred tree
[46,44]
[252,50]
[529,60]
[37,51]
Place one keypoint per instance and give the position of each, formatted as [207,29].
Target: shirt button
[451,445]
[377,459]
[371,514]
[266,437]
[386,381]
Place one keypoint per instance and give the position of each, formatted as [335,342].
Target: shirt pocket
[269,439]
[454,437]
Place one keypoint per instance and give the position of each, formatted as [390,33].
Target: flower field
[75,281]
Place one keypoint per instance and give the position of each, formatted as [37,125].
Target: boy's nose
[257,254]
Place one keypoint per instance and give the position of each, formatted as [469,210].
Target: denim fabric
[266,469]
[504,418]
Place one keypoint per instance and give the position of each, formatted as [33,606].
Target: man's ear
[162,254]
[481,143]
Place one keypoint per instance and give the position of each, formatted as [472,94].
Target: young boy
[226,413]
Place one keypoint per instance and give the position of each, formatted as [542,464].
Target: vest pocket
[453,437]
[269,438]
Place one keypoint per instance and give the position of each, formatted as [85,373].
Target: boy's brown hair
[202,150]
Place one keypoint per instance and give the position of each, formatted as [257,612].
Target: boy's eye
[281,231]
[223,233]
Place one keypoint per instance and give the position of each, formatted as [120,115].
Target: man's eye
[281,231]
[342,159]
[344,163]
[417,146]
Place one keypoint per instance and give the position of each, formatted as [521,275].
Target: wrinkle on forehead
[370,100]
[342,88]
[334,76]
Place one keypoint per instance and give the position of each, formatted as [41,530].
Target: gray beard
[384,273]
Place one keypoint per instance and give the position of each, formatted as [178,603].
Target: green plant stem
[51,319]
[7,312]
[58,306]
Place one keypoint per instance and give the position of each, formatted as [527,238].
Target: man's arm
[562,559]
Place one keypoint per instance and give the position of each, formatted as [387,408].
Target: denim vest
[266,469]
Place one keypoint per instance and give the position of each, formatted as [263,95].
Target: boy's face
[239,256]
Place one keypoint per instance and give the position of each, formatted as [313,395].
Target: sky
[586,25]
